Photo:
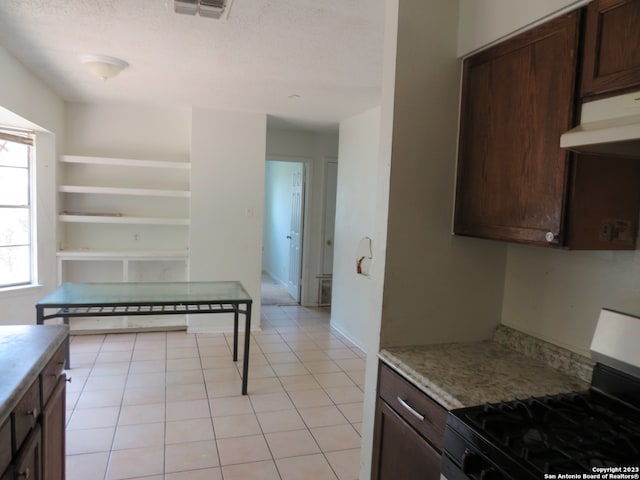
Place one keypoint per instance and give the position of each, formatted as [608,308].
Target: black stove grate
[567,433]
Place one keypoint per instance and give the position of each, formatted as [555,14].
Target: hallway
[274,293]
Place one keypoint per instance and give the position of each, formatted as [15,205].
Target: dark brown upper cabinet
[517,99]
[514,182]
[611,60]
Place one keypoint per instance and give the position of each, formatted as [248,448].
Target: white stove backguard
[616,341]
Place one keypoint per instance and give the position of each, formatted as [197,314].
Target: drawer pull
[412,411]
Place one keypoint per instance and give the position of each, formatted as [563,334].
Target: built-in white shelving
[123,219]
[121,254]
[144,192]
[124,162]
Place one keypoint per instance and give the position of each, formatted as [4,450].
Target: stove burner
[567,433]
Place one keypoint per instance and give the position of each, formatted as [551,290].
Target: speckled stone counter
[24,351]
[465,374]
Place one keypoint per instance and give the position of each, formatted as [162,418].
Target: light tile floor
[167,406]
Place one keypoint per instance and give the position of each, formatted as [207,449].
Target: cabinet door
[53,438]
[27,464]
[5,445]
[517,99]
[612,46]
[399,452]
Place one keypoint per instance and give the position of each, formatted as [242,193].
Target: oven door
[453,471]
[467,458]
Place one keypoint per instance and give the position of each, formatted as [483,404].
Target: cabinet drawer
[413,405]
[5,445]
[25,414]
[51,372]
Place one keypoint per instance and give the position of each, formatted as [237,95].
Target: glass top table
[152,298]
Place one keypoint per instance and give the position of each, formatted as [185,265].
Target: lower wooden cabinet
[400,451]
[409,431]
[32,439]
[53,438]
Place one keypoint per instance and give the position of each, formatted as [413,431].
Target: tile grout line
[206,393]
[305,331]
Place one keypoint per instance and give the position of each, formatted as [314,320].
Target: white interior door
[329,221]
[295,234]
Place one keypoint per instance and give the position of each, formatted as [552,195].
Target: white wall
[355,218]
[557,295]
[227,193]
[481,23]
[128,131]
[27,102]
[314,149]
[438,287]
[277,221]
[26,95]
[227,152]
[372,345]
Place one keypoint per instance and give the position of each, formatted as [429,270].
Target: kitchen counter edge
[24,352]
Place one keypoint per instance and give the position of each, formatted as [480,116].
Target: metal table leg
[235,333]
[247,336]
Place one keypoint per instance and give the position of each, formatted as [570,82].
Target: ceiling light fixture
[102,66]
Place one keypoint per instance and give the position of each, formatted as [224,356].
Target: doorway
[283,232]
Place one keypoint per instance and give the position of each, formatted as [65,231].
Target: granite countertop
[464,374]
[24,351]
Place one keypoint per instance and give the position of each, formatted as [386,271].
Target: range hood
[610,126]
[615,341]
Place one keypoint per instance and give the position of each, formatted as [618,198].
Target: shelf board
[146,192]
[122,219]
[83,254]
[124,162]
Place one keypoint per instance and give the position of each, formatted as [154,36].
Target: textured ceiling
[329,52]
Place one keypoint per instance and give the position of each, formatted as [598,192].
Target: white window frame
[27,138]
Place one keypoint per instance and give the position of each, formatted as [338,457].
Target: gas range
[577,433]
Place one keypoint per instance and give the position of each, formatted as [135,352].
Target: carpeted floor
[274,293]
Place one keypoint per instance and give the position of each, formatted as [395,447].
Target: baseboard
[275,277]
[103,331]
[220,329]
[347,336]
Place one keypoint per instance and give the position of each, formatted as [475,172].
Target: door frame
[325,163]
[307,165]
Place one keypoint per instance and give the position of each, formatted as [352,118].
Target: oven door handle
[411,410]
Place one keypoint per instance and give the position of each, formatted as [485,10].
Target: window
[16,266]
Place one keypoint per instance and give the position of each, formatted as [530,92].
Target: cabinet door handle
[24,474]
[412,410]
[33,413]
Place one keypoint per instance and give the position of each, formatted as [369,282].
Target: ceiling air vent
[212,8]
[204,8]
